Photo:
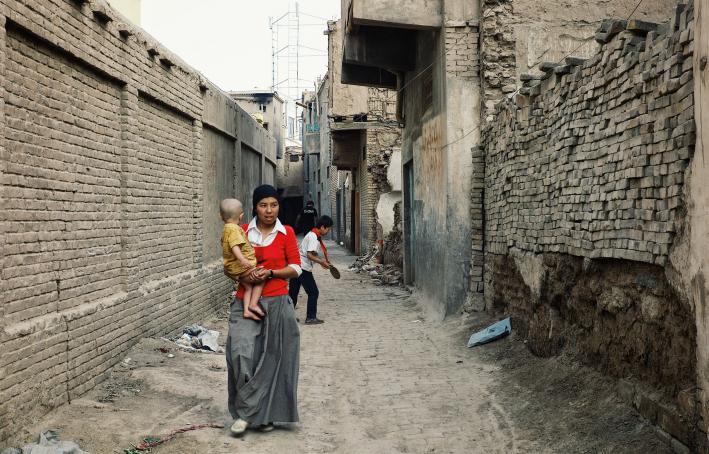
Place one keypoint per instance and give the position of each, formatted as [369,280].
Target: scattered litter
[491,333]
[48,443]
[196,337]
[170,355]
[127,360]
[151,442]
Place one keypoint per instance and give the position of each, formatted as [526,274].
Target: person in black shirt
[306,219]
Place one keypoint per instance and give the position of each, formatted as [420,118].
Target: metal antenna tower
[286,58]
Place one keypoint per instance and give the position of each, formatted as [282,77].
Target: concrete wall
[441,102]
[401,13]
[114,154]
[345,100]
[290,174]
[273,118]
[698,272]
[585,214]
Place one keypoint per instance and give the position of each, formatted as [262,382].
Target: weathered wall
[583,207]
[426,13]
[114,154]
[290,172]
[344,99]
[697,277]
[518,35]
[441,116]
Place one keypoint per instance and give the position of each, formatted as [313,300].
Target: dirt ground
[377,377]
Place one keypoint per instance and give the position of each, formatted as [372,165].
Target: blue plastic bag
[491,333]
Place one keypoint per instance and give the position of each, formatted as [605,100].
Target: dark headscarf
[263,192]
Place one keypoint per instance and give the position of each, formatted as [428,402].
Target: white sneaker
[239,427]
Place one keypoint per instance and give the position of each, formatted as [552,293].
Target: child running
[239,256]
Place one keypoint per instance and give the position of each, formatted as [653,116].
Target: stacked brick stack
[590,161]
[498,51]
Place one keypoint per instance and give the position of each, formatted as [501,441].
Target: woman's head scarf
[263,192]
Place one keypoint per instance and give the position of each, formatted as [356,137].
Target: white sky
[229,41]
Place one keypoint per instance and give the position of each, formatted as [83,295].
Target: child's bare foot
[257,310]
[250,315]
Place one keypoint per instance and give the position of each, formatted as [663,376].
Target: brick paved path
[375,378]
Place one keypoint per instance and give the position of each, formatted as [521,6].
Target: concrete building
[267,108]
[131,9]
[448,61]
[578,205]
[366,142]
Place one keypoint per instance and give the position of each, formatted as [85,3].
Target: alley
[377,377]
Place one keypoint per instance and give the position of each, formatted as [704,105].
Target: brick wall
[109,181]
[594,165]
[585,208]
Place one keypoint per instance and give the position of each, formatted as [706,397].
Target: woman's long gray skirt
[262,361]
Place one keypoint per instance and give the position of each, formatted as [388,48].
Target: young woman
[263,355]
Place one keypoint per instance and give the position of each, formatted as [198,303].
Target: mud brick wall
[113,157]
[594,165]
[584,203]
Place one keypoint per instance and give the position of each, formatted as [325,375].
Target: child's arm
[240,257]
[312,255]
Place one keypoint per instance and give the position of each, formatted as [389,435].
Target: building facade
[267,108]
[366,143]
[577,205]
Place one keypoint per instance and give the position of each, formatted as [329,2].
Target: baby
[239,256]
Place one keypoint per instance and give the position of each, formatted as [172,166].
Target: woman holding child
[262,351]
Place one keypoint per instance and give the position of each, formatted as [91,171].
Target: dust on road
[377,377]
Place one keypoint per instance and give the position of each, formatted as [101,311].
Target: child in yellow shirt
[239,256]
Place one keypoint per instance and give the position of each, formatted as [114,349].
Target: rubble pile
[380,274]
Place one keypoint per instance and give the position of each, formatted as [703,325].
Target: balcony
[416,14]
[380,36]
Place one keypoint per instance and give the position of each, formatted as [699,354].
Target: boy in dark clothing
[306,219]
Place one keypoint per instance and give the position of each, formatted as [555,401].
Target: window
[265,125]
[262,107]
[294,158]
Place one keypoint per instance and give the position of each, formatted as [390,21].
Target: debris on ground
[491,333]
[48,443]
[152,442]
[380,274]
[195,337]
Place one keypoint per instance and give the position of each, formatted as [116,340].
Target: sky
[229,41]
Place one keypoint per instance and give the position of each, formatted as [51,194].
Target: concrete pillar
[462,133]
[699,204]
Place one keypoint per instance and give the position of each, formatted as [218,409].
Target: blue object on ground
[491,333]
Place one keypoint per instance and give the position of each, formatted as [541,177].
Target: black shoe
[313,321]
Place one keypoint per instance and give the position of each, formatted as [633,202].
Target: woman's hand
[254,276]
[262,274]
